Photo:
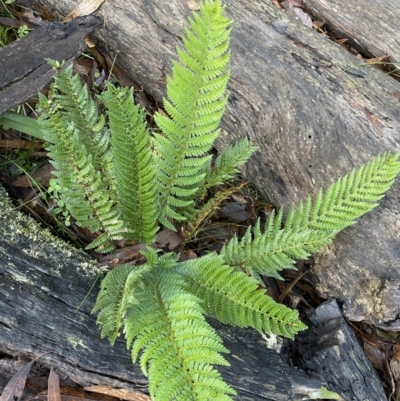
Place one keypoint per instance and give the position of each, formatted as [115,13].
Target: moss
[24,233]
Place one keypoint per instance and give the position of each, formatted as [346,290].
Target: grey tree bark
[313,109]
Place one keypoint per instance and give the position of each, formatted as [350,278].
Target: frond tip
[234,298]
[196,103]
[310,227]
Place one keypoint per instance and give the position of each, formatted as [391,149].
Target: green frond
[235,298]
[134,167]
[177,346]
[117,294]
[85,193]
[308,228]
[75,102]
[228,161]
[74,98]
[196,102]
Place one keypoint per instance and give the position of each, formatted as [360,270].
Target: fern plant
[123,181]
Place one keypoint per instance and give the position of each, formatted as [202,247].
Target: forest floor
[26,173]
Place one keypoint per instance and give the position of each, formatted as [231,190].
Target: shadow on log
[312,108]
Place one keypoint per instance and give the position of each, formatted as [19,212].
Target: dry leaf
[295,3]
[373,350]
[46,14]
[14,23]
[20,144]
[319,24]
[15,387]
[28,16]
[53,393]
[89,42]
[168,239]
[85,8]
[119,393]
[380,59]
[193,5]
[341,41]
[395,362]
[303,16]
[83,66]
[238,197]
[277,4]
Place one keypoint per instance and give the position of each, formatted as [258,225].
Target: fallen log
[330,350]
[24,69]
[373,30]
[47,293]
[312,109]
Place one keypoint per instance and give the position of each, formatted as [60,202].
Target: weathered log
[24,69]
[373,30]
[312,109]
[330,350]
[46,298]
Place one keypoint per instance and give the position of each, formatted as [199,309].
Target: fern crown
[123,182]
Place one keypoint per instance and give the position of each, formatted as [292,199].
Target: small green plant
[22,31]
[122,181]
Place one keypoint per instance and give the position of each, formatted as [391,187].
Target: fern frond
[196,103]
[83,190]
[177,346]
[311,227]
[234,298]
[74,98]
[75,102]
[117,294]
[134,168]
[198,216]
[228,161]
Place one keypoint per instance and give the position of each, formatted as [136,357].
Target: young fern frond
[85,193]
[177,346]
[234,298]
[134,167]
[227,163]
[308,227]
[196,102]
